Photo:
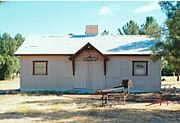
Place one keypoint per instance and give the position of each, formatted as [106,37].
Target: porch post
[73,66]
[105,67]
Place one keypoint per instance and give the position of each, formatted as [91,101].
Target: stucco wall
[60,74]
[119,68]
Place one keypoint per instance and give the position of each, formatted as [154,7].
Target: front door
[98,79]
[81,74]
[89,75]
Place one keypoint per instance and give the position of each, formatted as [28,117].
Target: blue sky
[62,18]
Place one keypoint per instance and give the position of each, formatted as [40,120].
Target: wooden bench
[117,93]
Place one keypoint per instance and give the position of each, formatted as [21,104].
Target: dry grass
[74,108]
[10,84]
[172,80]
[25,108]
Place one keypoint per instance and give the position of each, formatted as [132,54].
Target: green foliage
[150,27]
[170,7]
[167,69]
[120,32]
[105,32]
[9,63]
[131,28]
[1,60]
[168,45]
[1,1]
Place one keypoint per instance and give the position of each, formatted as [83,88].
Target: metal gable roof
[69,45]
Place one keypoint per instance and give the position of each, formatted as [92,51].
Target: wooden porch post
[73,66]
[105,67]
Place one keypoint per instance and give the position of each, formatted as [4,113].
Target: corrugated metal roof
[69,45]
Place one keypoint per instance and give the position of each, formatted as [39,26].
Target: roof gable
[88,46]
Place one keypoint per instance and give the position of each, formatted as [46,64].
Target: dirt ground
[20,108]
[170,80]
[10,84]
[48,108]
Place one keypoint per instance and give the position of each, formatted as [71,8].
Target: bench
[118,93]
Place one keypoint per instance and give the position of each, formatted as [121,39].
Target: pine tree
[168,45]
[131,28]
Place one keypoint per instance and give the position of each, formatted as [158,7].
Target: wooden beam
[73,66]
[109,90]
[105,67]
[88,46]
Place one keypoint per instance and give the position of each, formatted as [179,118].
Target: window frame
[34,67]
[146,71]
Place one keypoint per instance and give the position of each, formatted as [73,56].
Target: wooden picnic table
[111,93]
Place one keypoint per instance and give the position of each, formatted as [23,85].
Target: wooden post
[105,67]
[73,66]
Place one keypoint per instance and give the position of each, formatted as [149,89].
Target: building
[84,64]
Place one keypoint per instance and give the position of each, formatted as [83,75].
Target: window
[140,68]
[40,67]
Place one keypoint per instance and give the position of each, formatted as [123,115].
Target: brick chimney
[91,30]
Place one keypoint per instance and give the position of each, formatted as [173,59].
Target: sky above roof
[62,18]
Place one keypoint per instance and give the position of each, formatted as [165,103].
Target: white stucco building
[83,63]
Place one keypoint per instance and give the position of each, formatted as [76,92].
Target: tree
[150,27]
[105,32]
[9,63]
[131,28]
[167,69]
[120,32]
[168,45]
[1,1]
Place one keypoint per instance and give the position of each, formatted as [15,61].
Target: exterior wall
[120,67]
[59,73]
[88,75]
